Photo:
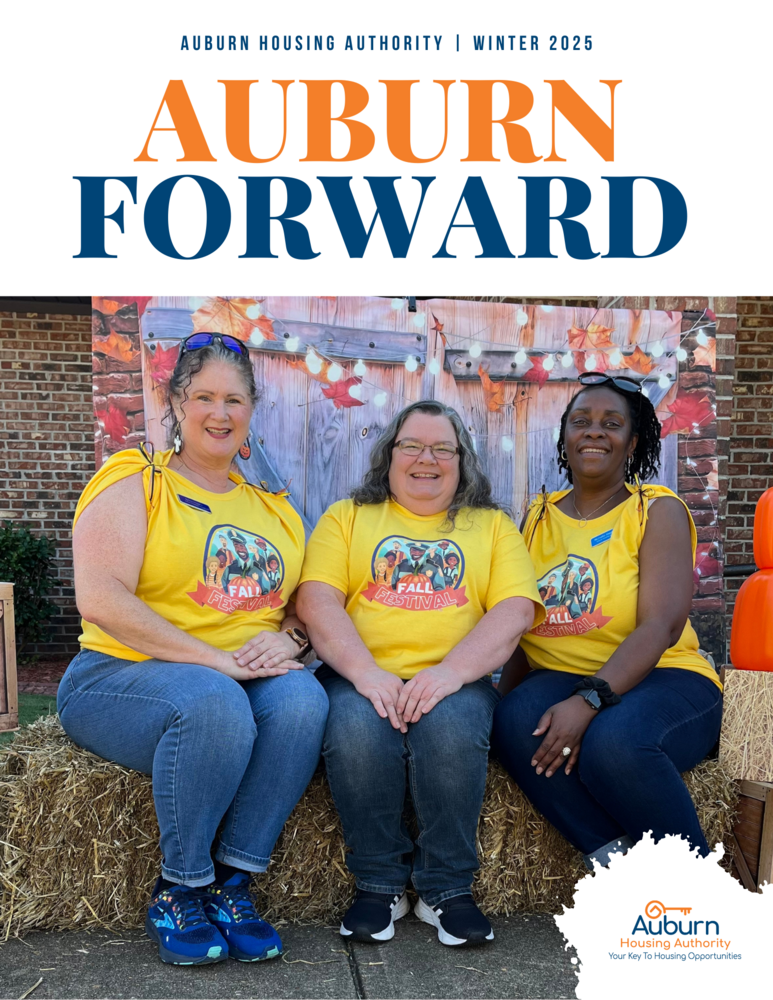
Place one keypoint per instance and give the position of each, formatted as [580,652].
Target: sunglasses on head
[198,340]
[621,382]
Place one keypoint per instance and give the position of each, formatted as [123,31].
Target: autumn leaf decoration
[115,423]
[112,303]
[493,392]
[438,328]
[300,365]
[638,361]
[116,345]
[706,355]
[339,393]
[537,371]
[161,362]
[689,409]
[233,317]
[595,340]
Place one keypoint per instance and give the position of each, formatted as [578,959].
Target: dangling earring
[177,441]
[564,457]
[246,449]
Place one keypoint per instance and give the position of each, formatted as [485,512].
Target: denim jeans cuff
[192,879]
[387,890]
[239,859]
[603,854]
[436,898]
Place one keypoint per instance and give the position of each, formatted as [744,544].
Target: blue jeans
[215,747]
[444,756]
[628,778]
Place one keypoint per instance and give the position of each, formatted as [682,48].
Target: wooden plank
[765,869]
[501,363]
[743,869]
[755,789]
[9,700]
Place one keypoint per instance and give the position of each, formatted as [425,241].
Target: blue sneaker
[176,921]
[229,908]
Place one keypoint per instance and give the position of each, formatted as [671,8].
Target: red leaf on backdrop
[710,314]
[706,355]
[638,361]
[115,423]
[537,372]
[595,336]
[116,345]
[706,561]
[339,393]
[161,363]
[438,328]
[233,317]
[494,392]
[300,364]
[602,361]
[687,410]
[126,300]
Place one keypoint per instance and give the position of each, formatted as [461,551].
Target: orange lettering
[237,119]
[398,123]
[579,114]
[481,119]
[186,125]
[320,119]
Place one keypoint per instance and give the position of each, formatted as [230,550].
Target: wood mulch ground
[42,676]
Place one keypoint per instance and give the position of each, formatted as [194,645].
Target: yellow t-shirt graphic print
[415,586]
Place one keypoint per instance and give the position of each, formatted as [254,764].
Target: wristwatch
[592,697]
[299,638]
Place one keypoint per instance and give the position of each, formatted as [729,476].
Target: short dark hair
[645,460]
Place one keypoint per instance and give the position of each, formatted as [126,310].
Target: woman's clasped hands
[268,654]
[563,726]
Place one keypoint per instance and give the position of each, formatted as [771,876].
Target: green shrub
[27,561]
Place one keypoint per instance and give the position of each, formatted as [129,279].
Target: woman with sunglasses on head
[605,709]
[406,664]
[193,680]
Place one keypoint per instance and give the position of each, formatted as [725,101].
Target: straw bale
[746,743]
[79,843]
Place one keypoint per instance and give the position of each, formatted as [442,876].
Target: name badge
[196,504]
[601,538]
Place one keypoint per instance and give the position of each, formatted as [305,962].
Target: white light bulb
[547,309]
[657,349]
[702,339]
[380,398]
[419,319]
[291,344]
[548,363]
[681,354]
[615,357]
[475,350]
[590,362]
[355,391]
[314,362]
[664,382]
[396,304]
[256,337]
[566,361]
[507,444]
[521,317]
[334,372]
[253,312]
[434,366]
[360,369]
[520,357]
[645,391]
[411,363]
[556,433]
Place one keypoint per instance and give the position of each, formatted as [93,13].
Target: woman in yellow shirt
[618,701]
[406,664]
[188,667]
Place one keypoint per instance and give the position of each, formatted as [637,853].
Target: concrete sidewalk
[526,959]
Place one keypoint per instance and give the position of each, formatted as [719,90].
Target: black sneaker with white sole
[458,921]
[372,915]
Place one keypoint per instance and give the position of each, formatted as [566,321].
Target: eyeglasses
[597,378]
[198,340]
[442,452]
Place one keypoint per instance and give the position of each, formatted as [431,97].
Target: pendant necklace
[584,518]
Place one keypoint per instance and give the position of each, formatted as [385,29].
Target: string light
[507,444]
[475,350]
[360,369]
[702,339]
[256,337]
[396,304]
[566,360]
[521,317]
[291,344]
[615,357]
[355,391]
[380,398]
[645,391]
[334,372]
[657,349]
[556,434]
[681,354]
[520,357]
[253,312]
[434,366]
[548,363]
[664,382]
[419,319]
[411,363]
[590,362]
[547,309]
[314,362]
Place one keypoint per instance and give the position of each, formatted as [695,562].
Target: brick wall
[750,469]
[47,437]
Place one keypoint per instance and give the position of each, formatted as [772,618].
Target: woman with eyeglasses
[406,664]
[609,700]
[191,676]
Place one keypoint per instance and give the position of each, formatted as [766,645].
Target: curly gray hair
[474,488]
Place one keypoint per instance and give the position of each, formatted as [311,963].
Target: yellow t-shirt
[220,566]
[589,580]
[414,589]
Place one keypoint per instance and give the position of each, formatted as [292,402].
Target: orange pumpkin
[751,636]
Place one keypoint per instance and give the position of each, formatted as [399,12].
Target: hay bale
[746,743]
[80,843]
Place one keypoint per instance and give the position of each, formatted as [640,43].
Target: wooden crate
[753,834]
[9,701]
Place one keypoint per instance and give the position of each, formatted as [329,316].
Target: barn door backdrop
[333,371]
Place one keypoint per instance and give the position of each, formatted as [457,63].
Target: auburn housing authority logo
[655,932]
